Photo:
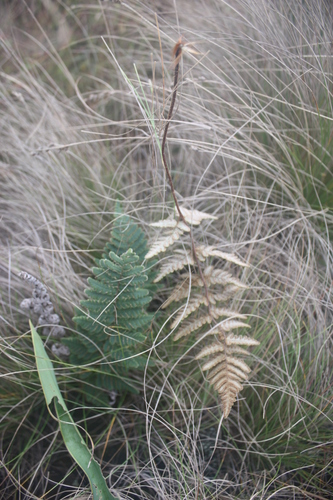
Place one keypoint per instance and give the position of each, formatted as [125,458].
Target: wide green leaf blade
[70,433]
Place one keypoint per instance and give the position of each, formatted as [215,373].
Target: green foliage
[111,335]
[73,440]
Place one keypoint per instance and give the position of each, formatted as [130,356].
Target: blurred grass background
[251,142]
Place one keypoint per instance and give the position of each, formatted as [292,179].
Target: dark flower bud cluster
[41,305]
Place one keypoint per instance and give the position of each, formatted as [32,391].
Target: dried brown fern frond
[226,371]
[169,239]
[210,251]
[175,263]
[195,217]
[204,287]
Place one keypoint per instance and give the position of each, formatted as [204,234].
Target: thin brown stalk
[177,53]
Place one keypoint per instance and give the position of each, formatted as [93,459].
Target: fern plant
[204,288]
[113,322]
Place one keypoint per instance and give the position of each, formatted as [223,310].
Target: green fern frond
[126,234]
[113,321]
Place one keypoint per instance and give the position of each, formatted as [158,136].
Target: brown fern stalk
[177,54]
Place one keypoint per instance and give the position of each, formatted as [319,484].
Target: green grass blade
[72,438]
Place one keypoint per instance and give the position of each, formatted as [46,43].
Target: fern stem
[177,51]
[195,256]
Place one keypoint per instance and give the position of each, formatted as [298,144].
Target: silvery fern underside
[202,290]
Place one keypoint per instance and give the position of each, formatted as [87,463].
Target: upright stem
[177,52]
[177,55]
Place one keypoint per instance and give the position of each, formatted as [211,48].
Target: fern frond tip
[195,217]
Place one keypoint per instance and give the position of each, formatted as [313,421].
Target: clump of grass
[249,139]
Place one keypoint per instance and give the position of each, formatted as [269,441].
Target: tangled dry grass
[250,143]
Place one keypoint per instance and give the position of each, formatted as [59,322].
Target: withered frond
[195,217]
[193,305]
[193,325]
[233,340]
[226,371]
[204,288]
[220,347]
[162,244]
[227,293]
[218,312]
[180,293]
[170,222]
[211,251]
[220,277]
[231,324]
[214,276]
[176,263]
